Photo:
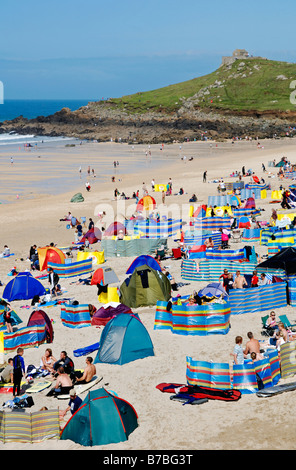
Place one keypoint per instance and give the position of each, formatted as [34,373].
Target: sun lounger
[284,319]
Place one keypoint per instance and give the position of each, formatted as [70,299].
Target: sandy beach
[35,193]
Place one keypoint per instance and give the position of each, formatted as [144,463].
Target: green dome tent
[77,198]
[101,419]
[145,287]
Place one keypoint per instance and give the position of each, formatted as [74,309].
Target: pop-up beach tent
[39,317]
[145,287]
[101,419]
[50,254]
[124,339]
[147,203]
[285,259]
[107,312]
[114,228]
[93,235]
[104,276]
[24,286]
[144,259]
[77,198]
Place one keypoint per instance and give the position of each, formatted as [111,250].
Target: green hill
[246,85]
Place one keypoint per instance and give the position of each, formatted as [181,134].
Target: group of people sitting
[240,282]
[64,372]
[279,333]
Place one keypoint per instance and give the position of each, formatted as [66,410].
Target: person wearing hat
[73,405]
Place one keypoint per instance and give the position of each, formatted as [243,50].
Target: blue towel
[86,350]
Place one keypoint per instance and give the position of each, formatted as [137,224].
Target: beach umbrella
[147,203]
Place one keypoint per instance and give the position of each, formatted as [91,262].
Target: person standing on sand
[252,345]
[204,179]
[18,371]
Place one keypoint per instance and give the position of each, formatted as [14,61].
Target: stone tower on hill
[238,54]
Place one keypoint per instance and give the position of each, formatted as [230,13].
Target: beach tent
[101,419]
[250,203]
[201,211]
[197,251]
[114,229]
[124,339]
[15,319]
[145,287]
[104,276]
[24,286]
[93,235]
[244,222]
[39,317]
[213,289]
[77,198]
[107,312]
[285,259]
[147,203]
[50,254]
[144,259]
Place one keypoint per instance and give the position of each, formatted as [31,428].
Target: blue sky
[93,49]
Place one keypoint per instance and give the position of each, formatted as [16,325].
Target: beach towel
[86,350]
[195,391]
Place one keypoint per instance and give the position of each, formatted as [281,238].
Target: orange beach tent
[50,254]
[147,203]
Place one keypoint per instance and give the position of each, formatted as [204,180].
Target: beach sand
[34,217]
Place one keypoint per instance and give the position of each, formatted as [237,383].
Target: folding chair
[284,319]
[177,253]
[236,236]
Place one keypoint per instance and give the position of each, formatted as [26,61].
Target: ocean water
[30,109]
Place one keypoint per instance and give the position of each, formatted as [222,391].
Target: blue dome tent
[141,260]
[124,339]
[24,286]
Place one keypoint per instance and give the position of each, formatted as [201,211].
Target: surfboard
[82,387]
[276,389]
[8,387]
[38,386]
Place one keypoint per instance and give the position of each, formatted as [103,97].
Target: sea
[31,109]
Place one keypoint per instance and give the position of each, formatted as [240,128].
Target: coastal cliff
[244,98]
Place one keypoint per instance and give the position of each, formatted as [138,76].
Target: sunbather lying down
[195,299]
[82,281]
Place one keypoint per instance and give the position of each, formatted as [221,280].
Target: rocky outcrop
[105,121]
